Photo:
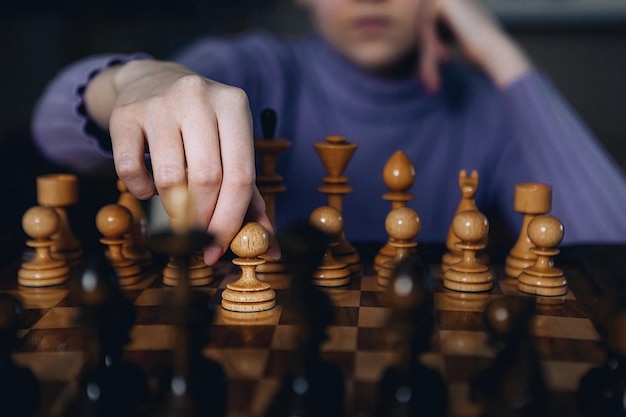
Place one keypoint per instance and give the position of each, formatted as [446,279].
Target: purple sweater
[521,134]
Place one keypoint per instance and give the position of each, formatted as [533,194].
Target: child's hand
[479,38]
[199,135]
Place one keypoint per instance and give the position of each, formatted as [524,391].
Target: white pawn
[331,272]
[469,275]
[248,294]
[41,223]
[403,225]
[546,233]
[115,223]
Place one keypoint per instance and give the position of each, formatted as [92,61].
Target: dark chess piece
[311,386]
[206,386]
[20,393]
[195,386]
[602,390]
[514,384]
[109,385]
[409,388]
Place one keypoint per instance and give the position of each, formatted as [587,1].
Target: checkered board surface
[253,354]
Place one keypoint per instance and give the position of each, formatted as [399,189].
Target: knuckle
[127,166]
[191,84]
[209,178]
[233,98]
[242,179]
[169,176]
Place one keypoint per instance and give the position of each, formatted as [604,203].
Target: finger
[257,213]
[237,153]
[169,171]
[204,166]
[429,53]
[128,143]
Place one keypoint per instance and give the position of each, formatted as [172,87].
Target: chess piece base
[43,277]
[542,285]
[468,282]
[248,300]
[332,276]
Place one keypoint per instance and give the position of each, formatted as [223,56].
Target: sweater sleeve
[556,147]
[60,125]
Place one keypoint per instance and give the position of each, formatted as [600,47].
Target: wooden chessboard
[253,353]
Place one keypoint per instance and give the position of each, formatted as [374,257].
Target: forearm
[100,97]
[60,123]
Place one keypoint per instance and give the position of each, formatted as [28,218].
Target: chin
[385,63]
[382,58]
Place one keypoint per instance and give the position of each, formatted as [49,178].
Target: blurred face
[377,35]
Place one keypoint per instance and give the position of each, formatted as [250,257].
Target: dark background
[585,56]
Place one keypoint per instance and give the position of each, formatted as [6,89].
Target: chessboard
[253,352]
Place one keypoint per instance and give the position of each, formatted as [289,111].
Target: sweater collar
[360,93]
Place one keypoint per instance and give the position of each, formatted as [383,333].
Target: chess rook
[43,270]
[59,191]
[331,272]
[469,274]
[399,177]
[531,200]
[542,278]
[248,294]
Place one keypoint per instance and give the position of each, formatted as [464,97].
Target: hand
[480,40]
[199,136]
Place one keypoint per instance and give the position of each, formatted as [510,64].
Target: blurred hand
[480,40]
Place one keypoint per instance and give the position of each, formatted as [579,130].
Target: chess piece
[399,177]
[135,249]
[331,272]
[189,317]
[269,184]
[531,200]
[114,222]
[335,153]
[248,294]
[195,272]
[198,273]
[469,275]
[408,387]
[197,385]
[59,191]
[468,186]
[19,389]
[41,223]
[514,383]
[542,278]
[109,385]
[311,386]
[601,390]
[403,225]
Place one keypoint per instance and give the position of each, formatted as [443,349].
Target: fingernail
[212,254]
[274,252]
